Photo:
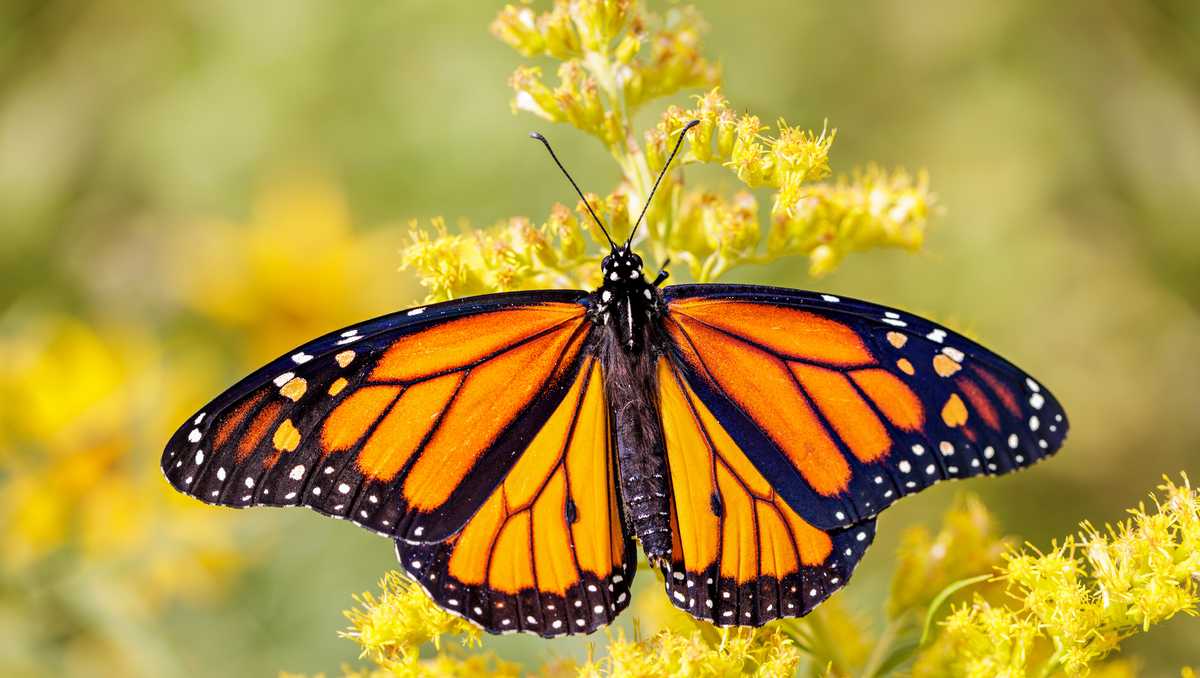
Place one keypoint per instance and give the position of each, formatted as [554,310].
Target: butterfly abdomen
[641,457]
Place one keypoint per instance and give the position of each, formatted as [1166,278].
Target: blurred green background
[188,189]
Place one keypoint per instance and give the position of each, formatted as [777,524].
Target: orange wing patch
[809,383]
[474,339]
[552,530]
[787,332]
[733,537]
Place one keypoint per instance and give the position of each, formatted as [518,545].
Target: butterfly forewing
[847,406]
[402,424]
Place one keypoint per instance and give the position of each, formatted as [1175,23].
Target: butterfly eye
[606,262]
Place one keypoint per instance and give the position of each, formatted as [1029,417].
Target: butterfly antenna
[646,206]
[567,174]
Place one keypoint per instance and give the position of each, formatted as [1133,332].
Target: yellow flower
[295,269]
[73,478]
[390,628]
[1083,597]
[675,655]
[513,254]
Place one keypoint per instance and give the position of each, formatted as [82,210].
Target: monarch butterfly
[513,445]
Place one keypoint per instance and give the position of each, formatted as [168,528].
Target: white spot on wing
[937,335]
[301,358]
[954,354]
[284,378]
[416,311]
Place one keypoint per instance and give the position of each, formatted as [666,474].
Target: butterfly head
[622,268]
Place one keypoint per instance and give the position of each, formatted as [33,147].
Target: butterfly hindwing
[402,424]
[740,554]
[846,405]
[547,552]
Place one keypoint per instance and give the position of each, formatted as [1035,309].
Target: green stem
[883,645]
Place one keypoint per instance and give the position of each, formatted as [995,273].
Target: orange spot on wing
[294,389]
[849,415]
[892,396]
[979,401]
[343,359]
[349,421]
[257,430]
[944,366]
[231,422]
[464,341]
[954,412]
[906,366]
[286,438]
[512,569]
[1004,393]
[786,331]
[337,386]
[763,387]
[405,425]
[492,396]
[897,339]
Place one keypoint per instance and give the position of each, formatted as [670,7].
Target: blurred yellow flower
[295,270]
[70,478]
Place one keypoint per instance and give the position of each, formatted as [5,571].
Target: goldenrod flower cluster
[391,627]
[1071,607]
[671,654]
[615,59]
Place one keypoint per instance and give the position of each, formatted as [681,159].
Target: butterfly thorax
[627,311]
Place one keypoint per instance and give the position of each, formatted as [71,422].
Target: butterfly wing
[740,554]
[403,424]
[547,553]
[848,406]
